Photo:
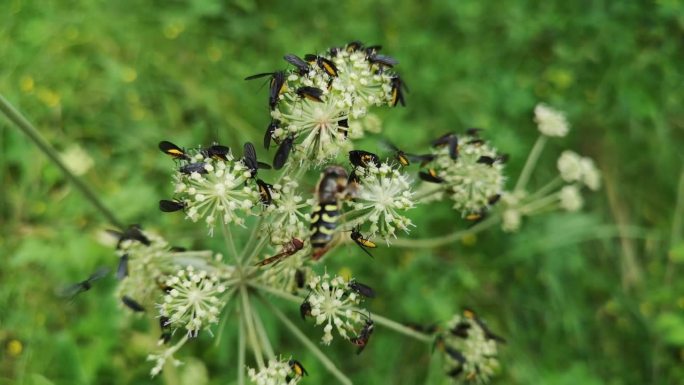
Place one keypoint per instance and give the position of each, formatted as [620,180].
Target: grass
[589,298]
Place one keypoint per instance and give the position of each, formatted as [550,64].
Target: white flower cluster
[382,192]
[471,348]
[550,121]
[193,300]
[575,168]
[331,302]
[474,177]
[327,93]
[288,215]
[215,189]
[278,372]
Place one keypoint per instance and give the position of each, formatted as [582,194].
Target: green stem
[531,207]
[251,334]
[261,331]
[256,230]
[530,163]
[554,183]
[241,350]
[34,135]
[230,243]
[446,239]
[425,194]
[329,365]
[676,233]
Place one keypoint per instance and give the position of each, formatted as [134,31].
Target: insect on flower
[430,176]
[132,304]
[216,151]
[362,289]
[264,192]
[326,212]
[325,64]
[122,268]
[276,85]
[288,249]
[85,285]
[397,91]
[362,339]
[174,151]
[250,159]
[132,233]
[363,243]
[199,167]
[310,93]
[275,123]
[470,314]
[301,65]
[168,206]
[165,330]
[283,153]
[363,159]
[449,139]
[305,307]
[297,368]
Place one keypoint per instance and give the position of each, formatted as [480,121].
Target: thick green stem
[547,188]
[34,135]
[329,365]
[256,231]
[251,333]
[230,243]
[261,331]
[446,239]
[677,221]
[530,163]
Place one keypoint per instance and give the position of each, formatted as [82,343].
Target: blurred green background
[586,298]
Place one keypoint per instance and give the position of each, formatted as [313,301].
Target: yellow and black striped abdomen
[323,224]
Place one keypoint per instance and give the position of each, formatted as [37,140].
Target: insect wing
[282,154]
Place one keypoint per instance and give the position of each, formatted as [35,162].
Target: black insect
[305,308]
[363,243]
[343,126]
[362,289]
[133,233]
[165,330]
[324,217]
[470,314]
[325,64]
[382,60]
[85,285]
[449,139]
[132,304]
[362,339]
[488,160]
[300,278]
[173,150]
[430,176]
[373,49]
[250,159]
[122,268]
[354,46]
[458,357]
[276,85]
[297,368]
[189,168]
[403,158]
[283,153]
[275,123]
[310,93]
[397,91]
[168,206]
[474,132]
[216,151]
[264,192]
[301,65]
[363,159]
[494,199]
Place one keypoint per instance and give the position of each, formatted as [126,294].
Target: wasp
[470,314]
[362,289]
[283,153]
[174,151]
[297,368]
[216,151]
[168,206]
[250,160]
[276,86]
[325,64]
[449,139]
[363,243]
[193,167]
[264,192]
[302,66]
[122,268]
[430,176]
[363,159]
[132,233]
[85,285]
[324,217]
[362,339]
[288,249]
[310,93]
[275,123]
[132,304]
[397,91]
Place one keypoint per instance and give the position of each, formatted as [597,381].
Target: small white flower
[193,300]
[591,177]
[550,122]
[510,220]
[570,166]
[278,372]
[570,198]
[382,193]
[288,215]
[331,303]
[161,358]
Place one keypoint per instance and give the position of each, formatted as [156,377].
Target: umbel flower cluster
[281,221]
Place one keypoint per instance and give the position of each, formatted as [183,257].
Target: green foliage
[115,77]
